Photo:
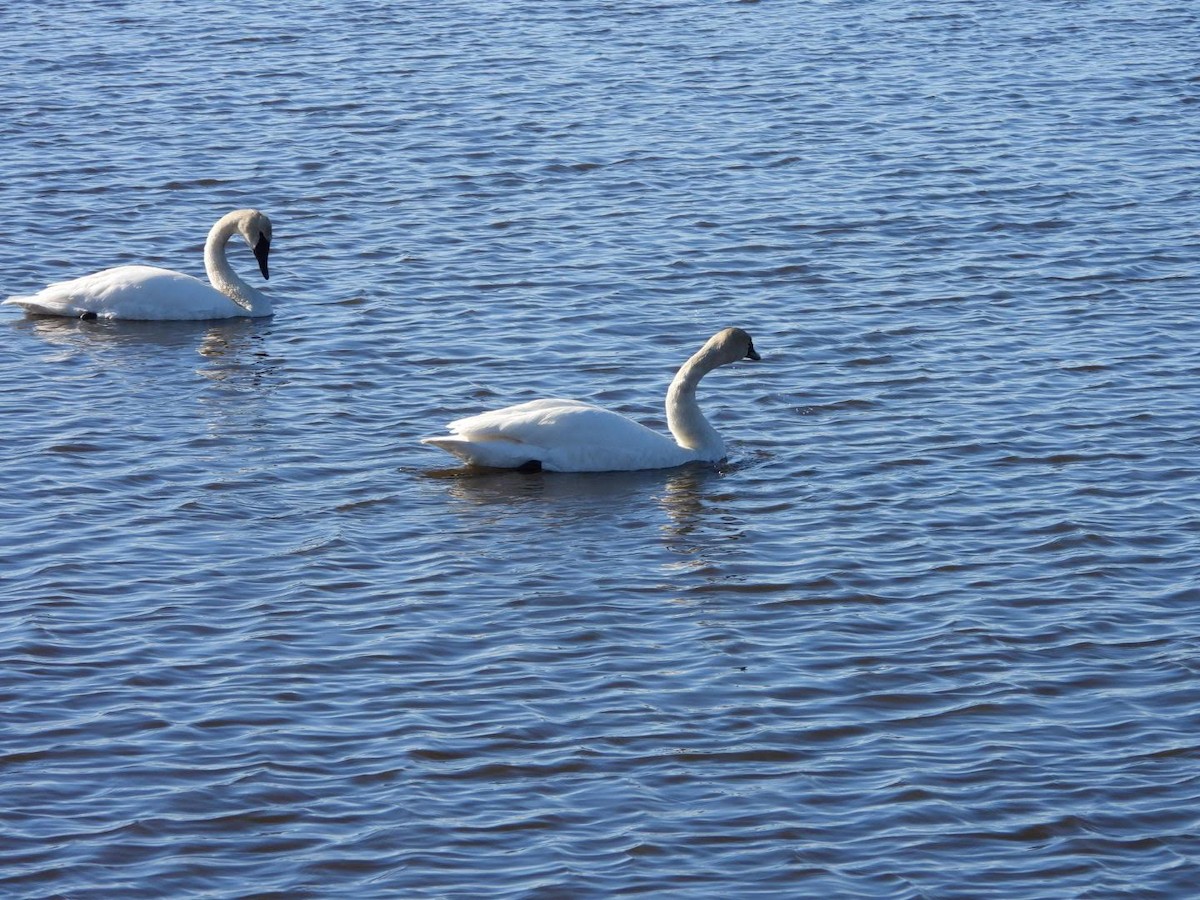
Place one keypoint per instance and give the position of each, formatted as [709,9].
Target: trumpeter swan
[148,292]
[570,436]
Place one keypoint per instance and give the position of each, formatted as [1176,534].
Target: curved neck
[222,277]
[687,423]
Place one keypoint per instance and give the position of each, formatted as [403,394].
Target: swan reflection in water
[157,360]
[227,345]
[697,514]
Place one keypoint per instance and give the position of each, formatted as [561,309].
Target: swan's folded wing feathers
[42,305]
[562,435]
[495,453]
[505,438]
[520,422]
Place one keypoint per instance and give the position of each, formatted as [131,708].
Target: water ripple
[928,632]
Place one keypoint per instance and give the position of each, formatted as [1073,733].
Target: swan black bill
[752,353]
[261,250]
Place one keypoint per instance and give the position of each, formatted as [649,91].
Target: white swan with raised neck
[571,436]
[151,293]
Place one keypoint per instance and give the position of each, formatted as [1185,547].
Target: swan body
[148,292]
[572,436]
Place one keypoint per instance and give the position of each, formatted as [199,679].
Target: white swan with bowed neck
[570,436]
[147,292]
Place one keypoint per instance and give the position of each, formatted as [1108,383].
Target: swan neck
[221,275]
[687,423]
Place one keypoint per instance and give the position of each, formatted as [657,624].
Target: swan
[572,436]
[148,292]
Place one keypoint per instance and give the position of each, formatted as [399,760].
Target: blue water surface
[932,631]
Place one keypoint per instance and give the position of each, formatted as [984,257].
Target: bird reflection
[683,499]
[701,521]
[688,498]
[234,349]
[228,347]
[159,359]
[686,524]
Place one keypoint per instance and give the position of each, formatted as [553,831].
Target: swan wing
[561,435]
[131,292]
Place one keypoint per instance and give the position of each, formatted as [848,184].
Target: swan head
[730,345]
[255,227]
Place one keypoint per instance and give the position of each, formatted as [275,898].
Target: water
[931,632]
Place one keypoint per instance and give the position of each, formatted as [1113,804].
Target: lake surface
[932,631]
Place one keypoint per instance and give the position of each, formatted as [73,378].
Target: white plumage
[148,292]
[572,436]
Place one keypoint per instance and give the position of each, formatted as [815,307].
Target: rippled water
[934,629]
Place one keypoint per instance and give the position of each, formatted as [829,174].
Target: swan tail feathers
[452,445]
[35,304]
[496,454]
